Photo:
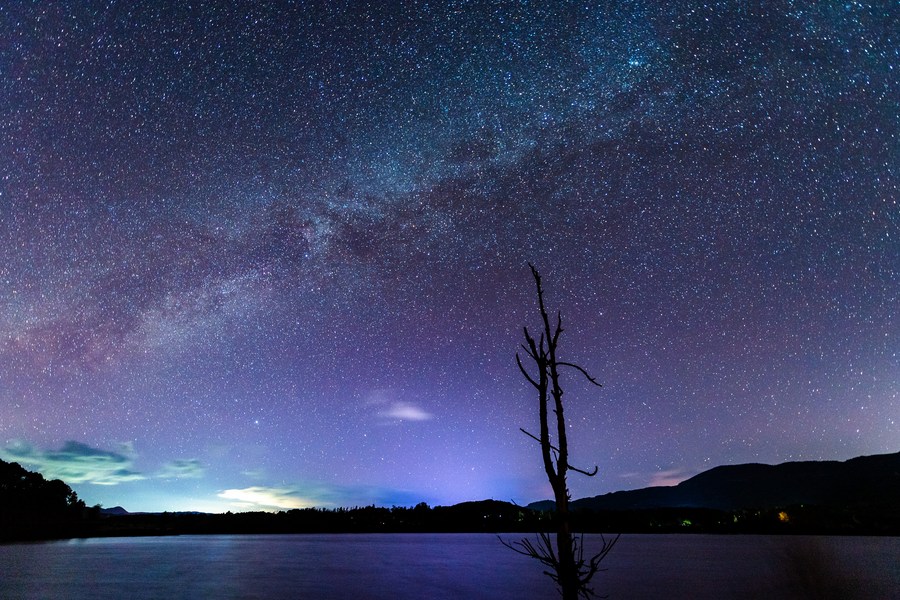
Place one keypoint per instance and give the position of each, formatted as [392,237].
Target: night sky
[275,255]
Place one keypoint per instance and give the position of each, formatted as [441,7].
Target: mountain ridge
[873,479]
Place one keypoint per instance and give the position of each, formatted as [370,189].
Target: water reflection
[398,566]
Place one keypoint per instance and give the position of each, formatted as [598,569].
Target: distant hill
[115,510]
[863,481]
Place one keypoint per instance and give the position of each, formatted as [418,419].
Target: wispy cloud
[75,463]
[189,468]
[668,478]
[406,411]
[389,407]
[268,498]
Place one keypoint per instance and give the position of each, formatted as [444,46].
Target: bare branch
[583,472]
[583,372]
[528,337]
[556,450]
[594,565]
[559,328]
[532,436]
[525,373]
[542,550]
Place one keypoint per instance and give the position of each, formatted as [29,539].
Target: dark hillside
[866,481]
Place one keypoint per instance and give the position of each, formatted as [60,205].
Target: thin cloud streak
[406,411]
[267,498]
[189,468]
[668,478]
[75,463]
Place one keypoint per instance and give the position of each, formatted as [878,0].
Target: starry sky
[274,255]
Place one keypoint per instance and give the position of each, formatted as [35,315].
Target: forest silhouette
[32,508]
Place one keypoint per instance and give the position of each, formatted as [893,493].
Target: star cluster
[275,254]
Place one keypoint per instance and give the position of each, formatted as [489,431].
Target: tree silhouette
[25,491]
[567,564]
[33,508]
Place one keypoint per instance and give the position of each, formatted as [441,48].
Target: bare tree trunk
[570,571]
[568,576]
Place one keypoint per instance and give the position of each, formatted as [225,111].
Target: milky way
[275,255]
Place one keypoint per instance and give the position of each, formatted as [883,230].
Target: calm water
[443,566]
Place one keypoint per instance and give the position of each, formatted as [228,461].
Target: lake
[398,566]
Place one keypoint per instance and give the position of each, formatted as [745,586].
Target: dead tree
[566,564]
